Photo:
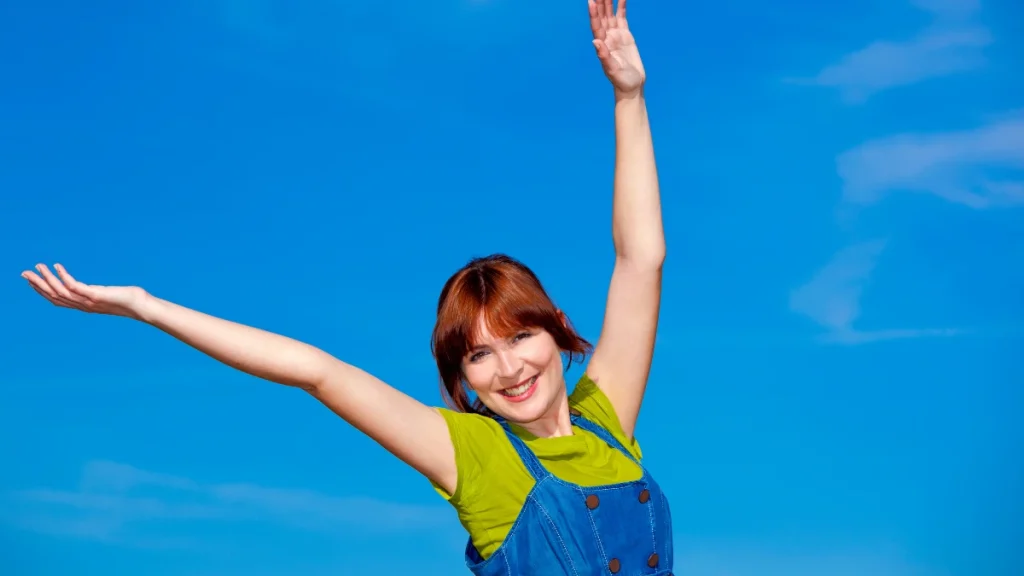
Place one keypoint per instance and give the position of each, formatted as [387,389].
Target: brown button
[593,501]
[575,412]
[653,560]
[645,495]
[614,565]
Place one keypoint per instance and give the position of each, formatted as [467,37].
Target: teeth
[521,389]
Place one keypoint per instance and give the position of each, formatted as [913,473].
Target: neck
[553,424]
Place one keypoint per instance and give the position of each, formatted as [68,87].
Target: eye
[476,356]
[521,336]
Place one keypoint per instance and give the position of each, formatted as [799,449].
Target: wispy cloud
[739,560]
[832,298]
[956,166]
[952,44]
[121,504]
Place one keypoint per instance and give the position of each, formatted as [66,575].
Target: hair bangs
[501,295]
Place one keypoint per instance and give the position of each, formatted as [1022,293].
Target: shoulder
[469,429]
[476,440]
[593,405]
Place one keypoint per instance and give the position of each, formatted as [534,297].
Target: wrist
[144,307]
[626,96]
[630,106]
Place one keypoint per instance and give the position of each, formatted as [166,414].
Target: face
[519,377]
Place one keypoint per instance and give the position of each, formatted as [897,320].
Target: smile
[522,391]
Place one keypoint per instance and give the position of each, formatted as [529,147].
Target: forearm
[257,352]
[636,215]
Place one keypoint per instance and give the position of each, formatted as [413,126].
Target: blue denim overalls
[563,528]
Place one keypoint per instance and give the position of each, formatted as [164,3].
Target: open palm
[616,48]
[64,291]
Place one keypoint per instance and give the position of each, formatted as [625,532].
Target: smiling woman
[544,482]
[490,304]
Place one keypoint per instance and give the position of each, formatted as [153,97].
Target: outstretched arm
[622,358]
[414,432]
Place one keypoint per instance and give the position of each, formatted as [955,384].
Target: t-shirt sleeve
[474,438]
[593,405]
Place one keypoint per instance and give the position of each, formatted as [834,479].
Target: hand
[616,48]
[67,292]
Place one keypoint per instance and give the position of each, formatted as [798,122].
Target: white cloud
[884,64]
[956,166]
[832,298]
[951,45]
[114,502]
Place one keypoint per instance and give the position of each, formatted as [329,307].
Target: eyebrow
[514,333]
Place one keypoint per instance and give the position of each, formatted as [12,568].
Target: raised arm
[622,358]
[414,432]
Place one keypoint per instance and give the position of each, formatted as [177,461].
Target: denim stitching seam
[558,535]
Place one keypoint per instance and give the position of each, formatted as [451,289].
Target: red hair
[509,297]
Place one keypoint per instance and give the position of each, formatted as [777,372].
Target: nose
[509,365]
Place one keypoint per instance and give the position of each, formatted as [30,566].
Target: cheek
[477,376]
[542,353]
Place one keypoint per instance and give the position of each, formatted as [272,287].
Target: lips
[521,391]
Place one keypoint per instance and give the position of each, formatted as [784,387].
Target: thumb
[602,49]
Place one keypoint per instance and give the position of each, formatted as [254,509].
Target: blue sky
[834,389]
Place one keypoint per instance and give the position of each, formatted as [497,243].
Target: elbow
[649,256]
[312,387]
[316,384]
[326,375]
[641,247]
[317,376]
[655,257]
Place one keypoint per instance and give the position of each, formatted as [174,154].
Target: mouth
[522,391]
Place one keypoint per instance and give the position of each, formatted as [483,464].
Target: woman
[544,482]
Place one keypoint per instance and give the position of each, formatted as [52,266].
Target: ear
[564,318]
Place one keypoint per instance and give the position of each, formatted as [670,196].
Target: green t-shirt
[493,482]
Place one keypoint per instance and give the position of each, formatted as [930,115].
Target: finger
[54,282]
[38,283]
[44,289]
[596,26]
[53,300]
[621,12]
[609,14]
[63,294]
[74,286]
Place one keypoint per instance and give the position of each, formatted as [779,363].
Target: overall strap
[525,454]
[600,432]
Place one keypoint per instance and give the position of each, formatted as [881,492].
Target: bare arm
[622,360]
[412,431]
